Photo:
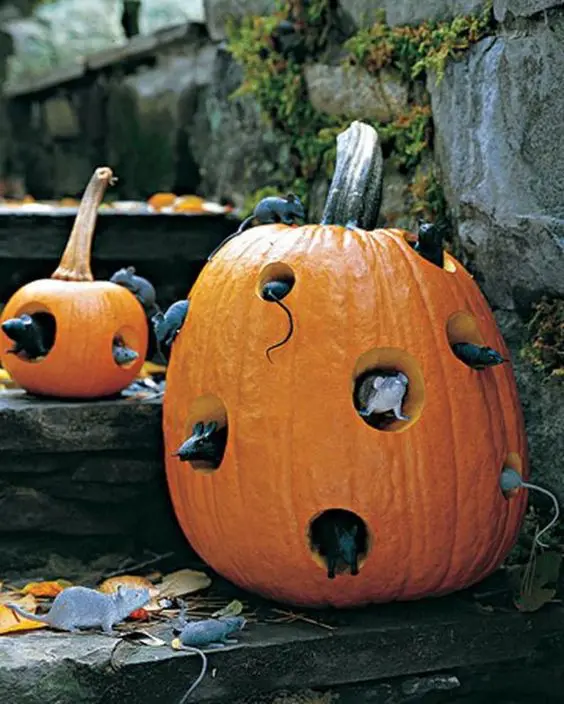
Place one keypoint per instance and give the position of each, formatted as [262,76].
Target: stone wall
[171,123]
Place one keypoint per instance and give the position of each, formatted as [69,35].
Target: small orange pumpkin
[85,318]
[426,489]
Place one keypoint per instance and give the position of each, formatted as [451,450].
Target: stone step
[136,236]
[170,250]
[80,481]
[371,645]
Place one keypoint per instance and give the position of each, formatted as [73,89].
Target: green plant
[278,85]
[418,49]
[545,348]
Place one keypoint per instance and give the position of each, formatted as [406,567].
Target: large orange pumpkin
[86,316]
[426,489]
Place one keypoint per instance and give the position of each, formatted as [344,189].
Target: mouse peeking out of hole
[381,393]
[340,537]
[206,444]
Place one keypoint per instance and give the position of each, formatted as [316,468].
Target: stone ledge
[369,645]
[119,236]
[31,425]
[134,52]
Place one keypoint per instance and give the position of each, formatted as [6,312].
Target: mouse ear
[291,197]
[198,429]
[210,428]
[378,381]
[120,590]
[130,270]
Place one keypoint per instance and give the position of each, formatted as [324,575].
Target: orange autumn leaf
[10,622]
[46,589]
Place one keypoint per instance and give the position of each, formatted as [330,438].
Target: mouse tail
[243,226]
[290,328]
[26,614]
[202,674]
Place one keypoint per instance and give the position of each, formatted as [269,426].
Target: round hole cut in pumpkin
[388,361]
[296,446]
[87,316]
[205,435]
[339,542]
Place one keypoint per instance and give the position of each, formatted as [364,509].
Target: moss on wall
[276,80]
[545,346]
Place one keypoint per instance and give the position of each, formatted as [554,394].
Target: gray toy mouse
[271,209]
[80,607]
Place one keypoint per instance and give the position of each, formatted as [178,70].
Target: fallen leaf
[46,589]
[139,615]
[143,638]
[234,608]
[150,368]
[183,582]
[10,622]
[110,585]
[532,592]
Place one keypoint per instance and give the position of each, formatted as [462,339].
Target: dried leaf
[150,368]
[183,582]
[139,615]
[110,585]
[143,638]
[540,587]
[234,608]
[46,589]
[10,622]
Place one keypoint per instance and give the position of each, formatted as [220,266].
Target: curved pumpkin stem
[355,193]
[75,262]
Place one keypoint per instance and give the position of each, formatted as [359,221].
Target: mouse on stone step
[270,210]
[338,543]
[477,356]
[80,607]
[28,335]
[206,444]
[209,633]
[381,393]
[121,353]
[141,288]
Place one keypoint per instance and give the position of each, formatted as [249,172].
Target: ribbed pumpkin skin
[88,314]
[296,445]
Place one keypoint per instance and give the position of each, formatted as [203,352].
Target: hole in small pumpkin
[33,331]
[509,482]
[388,389]
[205,435]
[339,541]
[276,280]
[125,347]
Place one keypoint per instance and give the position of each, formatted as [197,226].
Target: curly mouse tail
[290,329]
[243,226]
[202,674]
[26,614]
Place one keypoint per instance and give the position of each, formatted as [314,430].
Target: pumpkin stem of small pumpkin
[75,262]
[355,193]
